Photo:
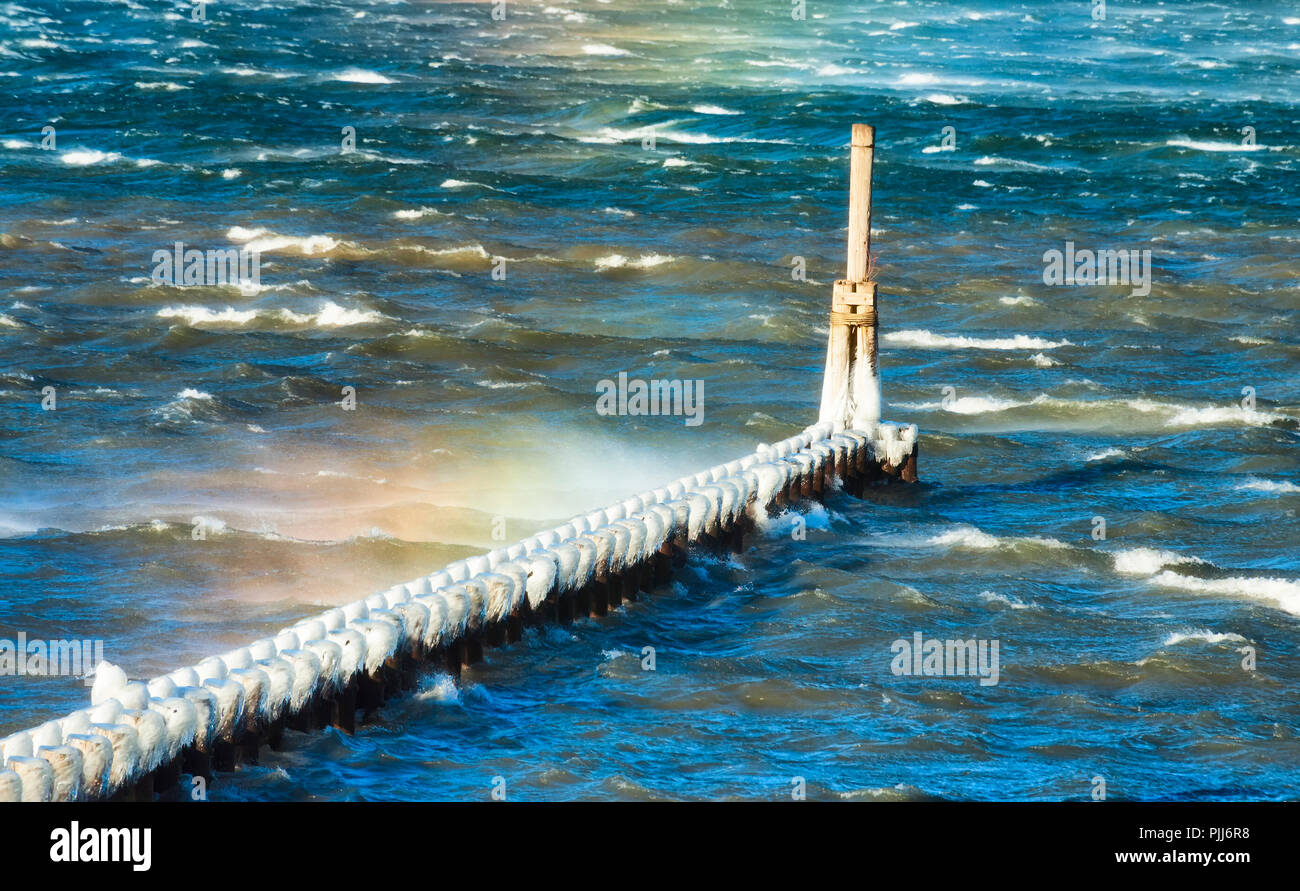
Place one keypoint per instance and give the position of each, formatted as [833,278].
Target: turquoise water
[529,140]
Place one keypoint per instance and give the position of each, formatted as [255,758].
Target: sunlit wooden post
[851,385]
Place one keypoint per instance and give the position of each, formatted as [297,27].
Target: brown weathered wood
[861,155]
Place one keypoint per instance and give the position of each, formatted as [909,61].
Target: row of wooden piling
[66,760]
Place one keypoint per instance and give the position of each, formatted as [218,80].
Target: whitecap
[928,339]
[1281,592]
[1148,561]
[86,157]
[603,49]
[1259,485]
[965,405]
[1004,599]
[1104,454]
[645,261]
[361,76]
[1204,635]
[965,537]
[1206,145]
[265,242]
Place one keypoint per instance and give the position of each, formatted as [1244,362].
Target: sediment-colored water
[530,140]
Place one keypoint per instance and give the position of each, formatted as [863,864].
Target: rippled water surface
[650,174]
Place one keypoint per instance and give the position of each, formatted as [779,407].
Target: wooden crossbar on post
[851,385]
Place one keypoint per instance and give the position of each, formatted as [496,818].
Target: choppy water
[527,140]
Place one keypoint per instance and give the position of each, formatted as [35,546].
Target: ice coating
[65,768]
[501,594]
[381,641]
[180,721]
[415,619]
[542,572]
[280,686]
[151,732]
[205,715]
[330,655]
[126,752]
[36,776]
[255,683]
[132,726]
[96,762]
[306,667]
[11,786]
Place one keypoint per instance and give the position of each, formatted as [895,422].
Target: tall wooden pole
[861,154]
[851,385]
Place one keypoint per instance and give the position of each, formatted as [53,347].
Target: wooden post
[850,387]
[861,154]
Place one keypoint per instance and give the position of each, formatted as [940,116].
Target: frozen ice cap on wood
[110,681]
[241,699]
[126,752]
[36,775]
[540,579]
[330,655]
[229,693]
[65,768]
[106,712]
[151,732]
[96,762]
[415,619]
[180,720]
[306,667]
[280,687]
[211,668]
[16,745]
[161,688]
[381,641]
[48,734]
[309,630]
[352,644]
[185,677]
[11,786]
[205,715]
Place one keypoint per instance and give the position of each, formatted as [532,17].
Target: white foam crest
[327,315]
[966,405]
[361,76]
[645,261]
[1104,454]
[928,339]
[1284,593]
[1203,636]
[264,241]
[1215,416]
[1004,599]
[1148,561]
[1210,145]
[1261,485]
[966,537]
[87,157]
